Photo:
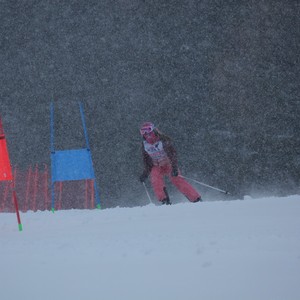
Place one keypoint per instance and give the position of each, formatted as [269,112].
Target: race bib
[156,151]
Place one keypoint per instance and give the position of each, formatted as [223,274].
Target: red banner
[5,167]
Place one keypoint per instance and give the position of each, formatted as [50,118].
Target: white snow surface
[242,249]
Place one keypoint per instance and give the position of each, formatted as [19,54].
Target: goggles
[146,130]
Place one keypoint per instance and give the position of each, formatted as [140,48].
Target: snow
[243,249]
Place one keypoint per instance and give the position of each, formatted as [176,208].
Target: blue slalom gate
[74,164]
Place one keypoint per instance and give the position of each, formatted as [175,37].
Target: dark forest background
[221,78]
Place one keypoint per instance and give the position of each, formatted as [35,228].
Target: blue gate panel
[71,165]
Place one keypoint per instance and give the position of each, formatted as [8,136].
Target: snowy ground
[237,250]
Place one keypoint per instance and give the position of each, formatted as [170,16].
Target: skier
[160,159]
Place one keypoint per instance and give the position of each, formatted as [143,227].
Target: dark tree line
[220,78]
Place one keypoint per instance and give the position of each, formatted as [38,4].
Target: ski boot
[166,201]
[199,199]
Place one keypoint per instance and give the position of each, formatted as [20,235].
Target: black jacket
[168,148]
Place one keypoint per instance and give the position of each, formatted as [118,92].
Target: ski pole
[211,187]
[147,192]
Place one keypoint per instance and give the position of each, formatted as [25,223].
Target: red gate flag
[5,170]
[5,167]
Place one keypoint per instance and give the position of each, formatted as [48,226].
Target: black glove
[174,172]
[143,177]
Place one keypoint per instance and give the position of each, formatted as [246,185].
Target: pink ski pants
[157,180]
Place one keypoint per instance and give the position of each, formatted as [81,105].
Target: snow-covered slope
[246,249]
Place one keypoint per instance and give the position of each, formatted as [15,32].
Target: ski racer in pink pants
[160,159]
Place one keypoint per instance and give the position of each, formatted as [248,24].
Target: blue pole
[98,205]
[84,126]
[52,155]
[52,128]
